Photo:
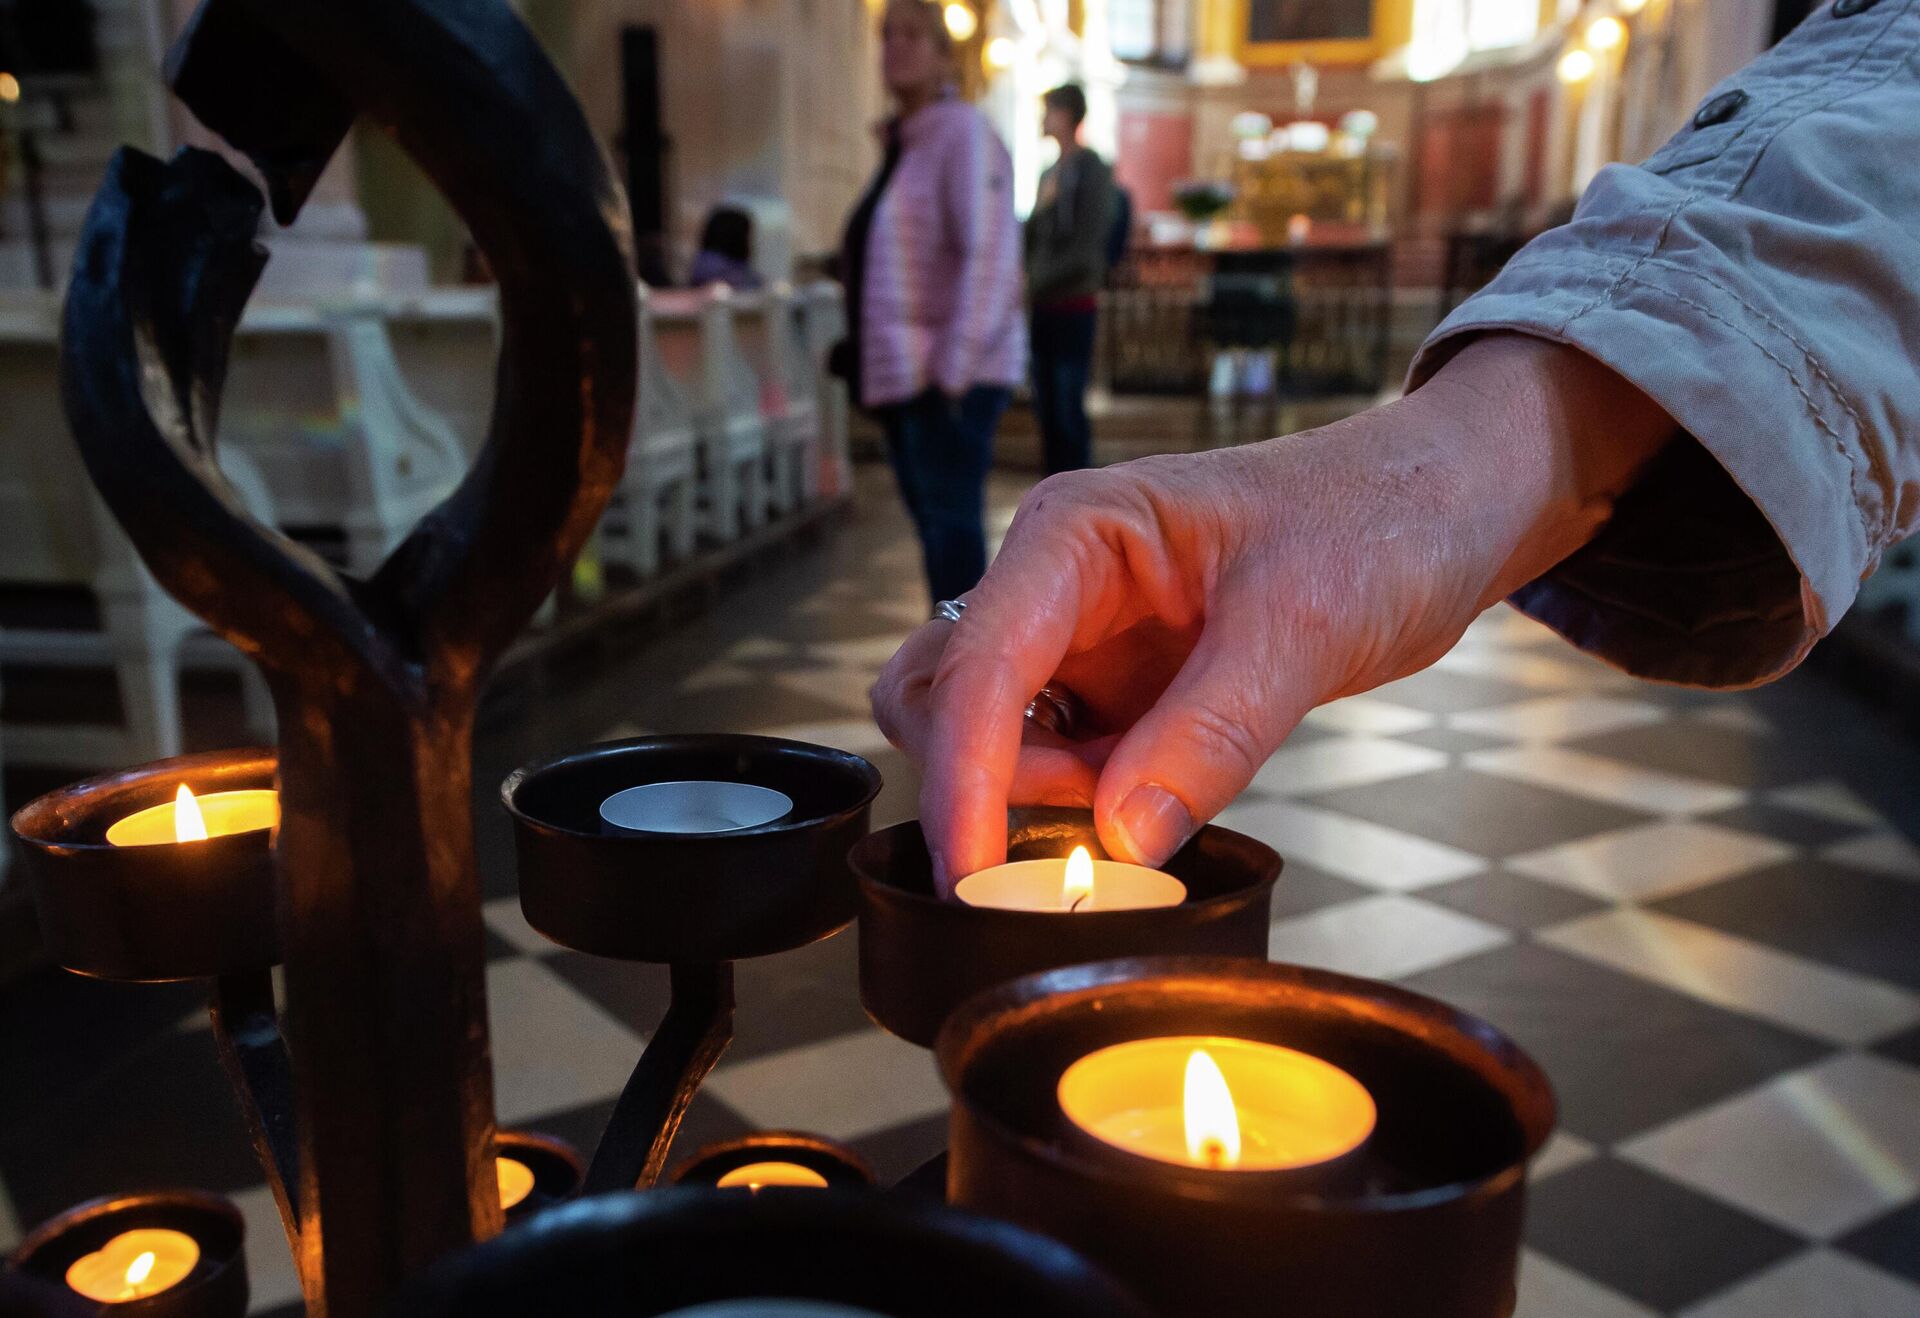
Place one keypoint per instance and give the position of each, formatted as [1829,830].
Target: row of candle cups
[1237,1111]
[178,1253]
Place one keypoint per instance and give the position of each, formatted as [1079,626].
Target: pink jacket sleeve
[978,200]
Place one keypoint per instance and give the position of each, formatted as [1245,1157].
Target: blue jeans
[942,451]
[1062,366]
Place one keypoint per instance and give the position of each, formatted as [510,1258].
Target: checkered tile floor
[1701,913]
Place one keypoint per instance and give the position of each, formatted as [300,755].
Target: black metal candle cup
[634,1255]
[159,912]
[1423,1218]
[689,897]
[555,1166]
[921,956]
[834,1164]
[214,1287]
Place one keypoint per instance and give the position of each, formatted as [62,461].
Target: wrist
[1548,438]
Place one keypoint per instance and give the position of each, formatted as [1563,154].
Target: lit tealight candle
[190,818]
[694,806]
[516,1180]
[1078,883]
[1216,1103]
[760,1175]
[134,1265]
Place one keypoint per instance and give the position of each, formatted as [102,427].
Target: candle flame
[188,823]
[515,1178]
[1078,886]
[1213,1126]
[142,1267]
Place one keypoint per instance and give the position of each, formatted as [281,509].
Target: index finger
[1019,624]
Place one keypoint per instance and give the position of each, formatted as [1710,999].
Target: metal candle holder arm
[380,919]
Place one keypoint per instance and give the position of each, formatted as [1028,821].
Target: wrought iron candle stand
[1422,1218]
[694,901]
[154,913]
[921,956]
[372,1114]
[375,682]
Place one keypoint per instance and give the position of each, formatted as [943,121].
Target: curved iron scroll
[374,681]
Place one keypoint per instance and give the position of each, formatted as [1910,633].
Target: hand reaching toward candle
[1200,604]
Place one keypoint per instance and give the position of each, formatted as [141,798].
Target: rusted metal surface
[374,681]
[697,1028]
[253,1053]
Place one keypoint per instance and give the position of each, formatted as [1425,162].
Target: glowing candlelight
[516,1180]
[1218,1104]
[1211,1121]
[189,825]
[190,818]
[1078,883]
[759,1175]
[134,1265]
[1077,886]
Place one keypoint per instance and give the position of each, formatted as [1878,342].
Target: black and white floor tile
[1701,913]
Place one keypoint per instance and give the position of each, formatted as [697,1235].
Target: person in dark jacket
[1067,240]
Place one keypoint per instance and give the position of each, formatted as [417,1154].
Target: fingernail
[942,878]
[1154,823]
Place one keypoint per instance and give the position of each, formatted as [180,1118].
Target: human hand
[1200,604]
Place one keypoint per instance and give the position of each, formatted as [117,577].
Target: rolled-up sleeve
[1759,278]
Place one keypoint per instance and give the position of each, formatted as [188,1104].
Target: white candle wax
[694,806]
[1077,883]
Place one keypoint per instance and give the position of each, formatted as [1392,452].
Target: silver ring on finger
[1056,709]
[949,610]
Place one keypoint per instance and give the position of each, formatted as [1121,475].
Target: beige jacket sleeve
[1759,278]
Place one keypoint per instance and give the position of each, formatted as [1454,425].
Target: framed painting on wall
[1273,32]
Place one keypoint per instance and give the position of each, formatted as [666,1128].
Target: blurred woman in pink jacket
[931,260]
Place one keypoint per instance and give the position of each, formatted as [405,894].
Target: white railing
[342,423]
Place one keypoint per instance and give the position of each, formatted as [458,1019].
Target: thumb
[1187,758]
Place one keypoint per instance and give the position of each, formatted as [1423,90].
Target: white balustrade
[659,492]
[316,397]
[823,324]
[54,532]
[343,424]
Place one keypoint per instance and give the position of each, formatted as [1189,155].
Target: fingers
[1054,772]
[900,696]
[1020,622]
[1049,770]
[1197,749]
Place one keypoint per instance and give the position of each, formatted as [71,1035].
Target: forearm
[1546,439]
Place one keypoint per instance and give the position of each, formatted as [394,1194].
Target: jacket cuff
[1735,552]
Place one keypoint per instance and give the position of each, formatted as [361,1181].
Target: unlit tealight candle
[694,806]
